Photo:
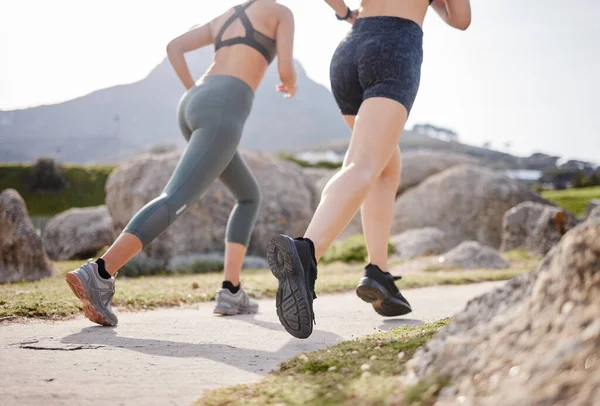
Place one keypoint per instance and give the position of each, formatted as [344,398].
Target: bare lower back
[242,61]
[411,9]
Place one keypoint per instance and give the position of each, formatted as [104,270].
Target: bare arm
[456,13]
[285,53]
[191,40]
[339,6]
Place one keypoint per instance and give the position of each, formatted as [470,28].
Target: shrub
[47,176]
[306,164]
[142,265]
[351,250]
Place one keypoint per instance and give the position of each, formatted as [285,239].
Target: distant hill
[122,121]
[415,140]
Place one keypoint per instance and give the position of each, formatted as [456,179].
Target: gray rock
[419,242]
[595,213]
[419,165]
[473,255]
[533,341]
[22,255]
[592,204]
[466,202]
[185,261]
[535,227]
[78,233]
[286,206]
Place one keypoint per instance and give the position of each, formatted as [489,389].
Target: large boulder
[533,341]
[472,255]
[316,179]
[595,213]
[535,227]
[419,165]
[419,242]
[78,233]
[22,255]
[286,206]
[592,204]
[466,202]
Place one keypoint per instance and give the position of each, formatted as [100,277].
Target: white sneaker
[229,304]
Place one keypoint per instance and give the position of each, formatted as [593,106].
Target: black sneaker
[379,289]
[293,263]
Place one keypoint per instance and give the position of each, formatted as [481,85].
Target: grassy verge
[51,297]
[356,372]
[573,200]
[86,188]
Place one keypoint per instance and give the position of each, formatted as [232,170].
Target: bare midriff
[414,10]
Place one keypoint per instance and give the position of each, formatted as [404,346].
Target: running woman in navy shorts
[375,75]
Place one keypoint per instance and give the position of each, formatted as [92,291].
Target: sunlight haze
[523,73]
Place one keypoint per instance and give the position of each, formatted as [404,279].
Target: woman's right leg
[200,164]
[206,156]
[377,130]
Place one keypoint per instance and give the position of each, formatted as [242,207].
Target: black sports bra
[254,39]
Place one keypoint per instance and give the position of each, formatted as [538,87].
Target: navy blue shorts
[379,57]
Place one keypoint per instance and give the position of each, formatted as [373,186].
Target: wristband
[348,15]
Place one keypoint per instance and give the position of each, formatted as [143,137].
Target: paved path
[169,357]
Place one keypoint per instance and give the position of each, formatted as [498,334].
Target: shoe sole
[89,311]
[293,307]
[375,294]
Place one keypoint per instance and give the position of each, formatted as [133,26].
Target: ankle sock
[102,269]
[229,286]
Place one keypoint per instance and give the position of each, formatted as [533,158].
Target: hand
[288,90]
[353,17]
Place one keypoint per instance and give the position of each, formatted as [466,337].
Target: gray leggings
[211,116]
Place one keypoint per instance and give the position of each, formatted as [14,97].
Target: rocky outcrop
[595,213]
[419,242]
[592,204]
[533,341]
[472,255]
[466,202]
[419,165]
[535,227]
[22,255]
[78,233]
[316,179]
[286,206]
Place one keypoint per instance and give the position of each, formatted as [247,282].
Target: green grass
[573,200]
[86,188]
[356,372]
[52,299]
[306,164]
[352,249]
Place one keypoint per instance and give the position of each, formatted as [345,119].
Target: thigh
[377,130]
[239,179]
[203,160]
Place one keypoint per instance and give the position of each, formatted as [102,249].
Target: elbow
[173,48]
[463,23]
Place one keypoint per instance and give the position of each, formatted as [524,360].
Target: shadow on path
[249,359]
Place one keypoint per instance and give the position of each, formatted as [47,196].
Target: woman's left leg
[232,299]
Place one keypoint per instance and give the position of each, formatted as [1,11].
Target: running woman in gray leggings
[211,116]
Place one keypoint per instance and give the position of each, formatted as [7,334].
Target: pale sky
[525,72]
